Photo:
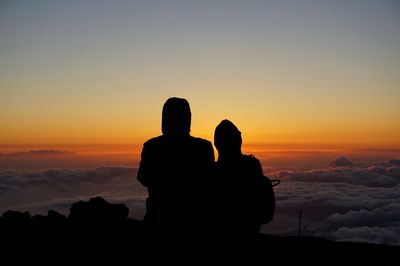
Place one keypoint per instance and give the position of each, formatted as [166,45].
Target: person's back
[175,172]
[239,190]
[175,168]
[236,197]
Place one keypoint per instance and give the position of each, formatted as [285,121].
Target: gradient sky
[98,72]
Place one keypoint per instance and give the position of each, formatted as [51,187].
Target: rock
[16,218]
[99,211]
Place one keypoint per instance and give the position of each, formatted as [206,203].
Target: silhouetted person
[239,191]
[175,168]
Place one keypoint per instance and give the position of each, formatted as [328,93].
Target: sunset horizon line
[264,146]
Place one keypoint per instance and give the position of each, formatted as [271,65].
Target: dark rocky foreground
[99,232]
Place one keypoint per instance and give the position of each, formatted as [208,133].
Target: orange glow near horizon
[259,122]
[107,137]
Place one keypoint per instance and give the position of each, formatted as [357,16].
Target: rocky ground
[97,232]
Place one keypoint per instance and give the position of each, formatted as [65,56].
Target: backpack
[265,199]
[244,186]
[263,196]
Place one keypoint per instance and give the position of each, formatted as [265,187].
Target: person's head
[227,139]
[176,117]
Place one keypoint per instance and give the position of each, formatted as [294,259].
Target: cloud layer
[356,202]
[58,188]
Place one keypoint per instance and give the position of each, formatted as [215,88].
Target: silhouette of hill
[37,159]
[40,160]
[37,153]
[97,229]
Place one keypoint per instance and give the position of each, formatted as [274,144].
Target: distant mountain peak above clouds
[341,162]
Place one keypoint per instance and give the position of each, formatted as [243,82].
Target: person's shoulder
[200,141]
[154,141]
[251,159]
[251,163]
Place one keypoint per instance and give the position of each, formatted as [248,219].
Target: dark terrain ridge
[96,231]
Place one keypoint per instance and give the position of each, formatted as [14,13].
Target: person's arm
[142,175]
[210,156]
[267,194]
[257,168]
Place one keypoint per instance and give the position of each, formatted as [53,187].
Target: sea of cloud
[57,189]
[356,202]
